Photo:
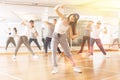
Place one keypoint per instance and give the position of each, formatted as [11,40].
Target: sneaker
[55,70]
[91,56]
[76,69]
[13,57]
[35,57]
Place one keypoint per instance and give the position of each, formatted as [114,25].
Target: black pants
[99,44]
[35,41]
[85,38]
[48,43]
[10,40]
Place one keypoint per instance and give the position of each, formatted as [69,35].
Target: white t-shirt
[60,27]
[96,32]
[25,31]
[31,33]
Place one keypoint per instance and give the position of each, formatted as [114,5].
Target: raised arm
[58,12]
[48,23]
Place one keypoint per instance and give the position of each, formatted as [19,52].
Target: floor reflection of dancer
[33,34]
[86,37]
[95,33]
[11,34]
[23,39]
[48,39]
[59,37]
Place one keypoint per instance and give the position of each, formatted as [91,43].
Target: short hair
[55,19]
[31,21]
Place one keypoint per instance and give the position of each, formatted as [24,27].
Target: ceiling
[13,10]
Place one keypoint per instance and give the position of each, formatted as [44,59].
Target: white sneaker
[76,69]
[13,57]
[35,57]
[91,56]
[55,70]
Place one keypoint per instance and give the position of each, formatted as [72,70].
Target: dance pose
[86,36]
[95,33]
[50,27]
[59,37]
[33,34]
[23,39]
[11,34]
[116,38]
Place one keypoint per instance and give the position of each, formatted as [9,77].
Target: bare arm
[72,36]
[48,23]
[58,12]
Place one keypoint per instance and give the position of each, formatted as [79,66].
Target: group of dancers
[57,34]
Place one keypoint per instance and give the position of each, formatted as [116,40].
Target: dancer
[33,34]
[116,38]
[11,34]
[86,37]
[23,39]
[59,36]
[50,27]
[96,30]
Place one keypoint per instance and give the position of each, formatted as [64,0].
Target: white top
[96,32]
[60,27]
[25,31]
[31,33]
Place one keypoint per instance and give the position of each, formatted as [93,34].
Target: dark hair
[73,24]
[15,29]
[31,21]
[55,19]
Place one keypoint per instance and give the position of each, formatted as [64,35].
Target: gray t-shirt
[87,31]
[50,30]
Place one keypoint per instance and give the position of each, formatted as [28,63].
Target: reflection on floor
[26,68]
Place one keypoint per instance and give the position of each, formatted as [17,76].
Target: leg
[20,41]
[36,42]
[83,43]
[13,41]
[64,44]
[8,41]
[30,40]
[46,44]
[58,49]
[88,41]
[54,44]
[99,44]
[26,42]
[92,41]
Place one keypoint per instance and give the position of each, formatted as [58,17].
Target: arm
[71,34]
[58,12]
[48,23]
[36,34]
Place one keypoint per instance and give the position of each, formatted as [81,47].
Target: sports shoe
[55,70]
[91,56]
[76,69]
[13,57]
[35,57]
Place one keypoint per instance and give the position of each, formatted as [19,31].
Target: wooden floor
[26,68]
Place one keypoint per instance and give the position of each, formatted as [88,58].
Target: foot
[91,56]
[13,57]
[35,57]
[79,52]
[76,69]
[55,70]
